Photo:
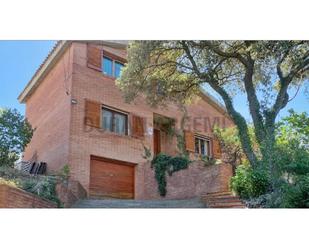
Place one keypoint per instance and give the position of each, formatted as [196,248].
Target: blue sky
[18,62]
[20,59]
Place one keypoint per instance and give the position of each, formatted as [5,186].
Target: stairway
[222,200]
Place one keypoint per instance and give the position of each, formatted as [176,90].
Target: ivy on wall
[164,164]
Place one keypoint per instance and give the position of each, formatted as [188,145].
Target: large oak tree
[265,71]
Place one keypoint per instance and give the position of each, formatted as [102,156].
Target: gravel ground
[113,203]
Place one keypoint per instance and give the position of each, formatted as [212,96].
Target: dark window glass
[107,66]
[118,68]
[197,144]
[203,147]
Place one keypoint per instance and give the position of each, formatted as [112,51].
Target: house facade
[81,120]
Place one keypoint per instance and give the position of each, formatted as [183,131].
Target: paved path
[113,203]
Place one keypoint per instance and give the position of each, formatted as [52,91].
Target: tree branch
[236,116]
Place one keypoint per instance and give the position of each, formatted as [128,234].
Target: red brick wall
[61,136]
[11,197]
[195,181]
[91,84]
[48,110]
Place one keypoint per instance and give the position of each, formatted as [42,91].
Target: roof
[58,50]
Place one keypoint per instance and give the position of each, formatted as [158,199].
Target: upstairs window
[118,68]
[107,66]
[111,67]
[202,146]
[115,121]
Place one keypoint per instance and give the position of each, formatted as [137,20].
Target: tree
[291,158]
[294,127]
[265,71]
[15,134]
[230,146]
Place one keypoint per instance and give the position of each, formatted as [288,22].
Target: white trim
[206,139]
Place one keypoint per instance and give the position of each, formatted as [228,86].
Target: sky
[20,59]
[18,62]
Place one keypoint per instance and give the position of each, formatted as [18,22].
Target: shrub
[64,173]
[249,182]
[43,186]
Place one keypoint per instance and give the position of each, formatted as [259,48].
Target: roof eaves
[43,69]
[214,101]
[53,57]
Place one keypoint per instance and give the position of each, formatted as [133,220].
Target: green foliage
[294,127]
[181,144]
[65,172]
[43,186]
[164,164]
[15,134]
[230,145]
[290,185]
[147,153]
[165,71]
[249,182]
[208,160]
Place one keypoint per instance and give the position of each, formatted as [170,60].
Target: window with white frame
[115,121]
[202,146]
[111,67]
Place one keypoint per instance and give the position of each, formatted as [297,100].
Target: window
[118,68]
[202,146]
[115,121]
[111,67]
[107,66]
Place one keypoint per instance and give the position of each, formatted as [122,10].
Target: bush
[291,195]
[249,183]
[43,186]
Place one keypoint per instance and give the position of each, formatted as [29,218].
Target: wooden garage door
[110,178]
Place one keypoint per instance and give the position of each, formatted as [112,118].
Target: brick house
[81,119]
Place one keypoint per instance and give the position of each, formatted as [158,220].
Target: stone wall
[11,197]
[195,181]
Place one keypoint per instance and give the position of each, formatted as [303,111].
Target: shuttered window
[216,149]
[93,114]
[94,57]
[189,141]
[138,126]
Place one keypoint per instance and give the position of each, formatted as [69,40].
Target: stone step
[225,193]
[225,206]
[222,200]
[230,204]
[214,202]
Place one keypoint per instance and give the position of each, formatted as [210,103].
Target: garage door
[110,178]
